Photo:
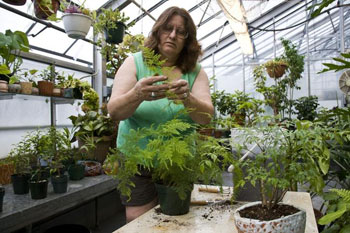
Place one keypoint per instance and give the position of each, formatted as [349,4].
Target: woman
[139,96]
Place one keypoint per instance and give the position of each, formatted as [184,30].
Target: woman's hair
[191,50]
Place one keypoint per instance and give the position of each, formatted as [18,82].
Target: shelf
[56,100]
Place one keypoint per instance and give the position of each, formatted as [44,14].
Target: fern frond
[343,193]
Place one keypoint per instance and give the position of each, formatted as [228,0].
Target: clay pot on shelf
[4,86]
[14,88]
[26,87]
[35,91]
[45,88]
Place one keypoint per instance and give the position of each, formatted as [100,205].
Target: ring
[185,95]
[153,94]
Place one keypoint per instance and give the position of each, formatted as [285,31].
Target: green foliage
[176,155]
[108,19]
[284,158]
[337,218]
[306,107]
[152,59]
[319,7]
[344,64]
[11,44]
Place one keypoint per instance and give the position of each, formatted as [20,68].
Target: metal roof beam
[114,4]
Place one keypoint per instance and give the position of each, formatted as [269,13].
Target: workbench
[214,217]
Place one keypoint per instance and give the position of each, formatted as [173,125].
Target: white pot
[288,224]
[76,25]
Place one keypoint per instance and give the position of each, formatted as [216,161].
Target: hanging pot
[16,2]
[43,12]
[76,25]
[170,202]
[276,70]
[115,35]
[294,223]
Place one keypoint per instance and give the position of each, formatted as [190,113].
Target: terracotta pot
[6,170]
[45,88]
[4,86]
[92,168]
[16,2]
[294,223]
[43,12]
[14,88]
[26,87]
[276,71]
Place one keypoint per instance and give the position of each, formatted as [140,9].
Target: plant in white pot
[77,20]
[286,156]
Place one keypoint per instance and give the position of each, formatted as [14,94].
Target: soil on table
[263,214]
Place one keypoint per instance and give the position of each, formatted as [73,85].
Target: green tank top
[152,112]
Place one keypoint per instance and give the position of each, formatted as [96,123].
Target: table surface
[209,218]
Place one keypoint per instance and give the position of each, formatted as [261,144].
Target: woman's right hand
[149,88]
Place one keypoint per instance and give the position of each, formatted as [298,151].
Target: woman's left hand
[179,90]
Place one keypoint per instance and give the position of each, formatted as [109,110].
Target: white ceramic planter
[76,25]
[289,224]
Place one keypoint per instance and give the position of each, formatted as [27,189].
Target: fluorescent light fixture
[235,13]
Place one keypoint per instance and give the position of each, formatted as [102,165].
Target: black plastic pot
[20,183]
[170,202]
[76,171]
[2,194]
[59,183]
[115,35]
[38,189]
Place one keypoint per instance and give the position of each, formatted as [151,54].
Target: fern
[343,193]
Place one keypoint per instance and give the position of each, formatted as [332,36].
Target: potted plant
[76,169]
[11,44]
[276,67]
[43,9]
[112,24]
[46,84]
[22,156]
[177,157]
[95,134]
[285,158]
[305,107]
[25,80]
[16,2]
[77,20]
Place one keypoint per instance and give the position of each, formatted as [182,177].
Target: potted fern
[176,155]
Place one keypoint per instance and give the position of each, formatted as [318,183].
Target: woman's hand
[149,89]
[179,90]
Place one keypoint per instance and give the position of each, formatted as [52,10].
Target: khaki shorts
[144,191]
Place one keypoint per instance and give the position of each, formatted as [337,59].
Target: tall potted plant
[177,156]
[285,158]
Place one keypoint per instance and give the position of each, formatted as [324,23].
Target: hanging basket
[276,70]
[42,11]
[115,35]
[16,2]
[76,25]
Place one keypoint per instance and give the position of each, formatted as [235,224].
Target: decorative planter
[59,183]
[92,168]
[115,35]
[294,223]
[26,87]
[20,183]
[2,194]
[76,171]
[43,12]
[169,201]
[76,25]
[57,92]
[16,2]
[276,71]
[4,86]
[38,189]
[6,170]
[14,88]
[68,92]
[45,88]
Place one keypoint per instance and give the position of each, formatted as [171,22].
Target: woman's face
[172,37]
